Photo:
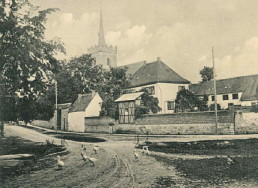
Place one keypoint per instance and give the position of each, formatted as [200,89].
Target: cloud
[243,62]
[66,18]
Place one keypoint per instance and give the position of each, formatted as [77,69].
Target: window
[150,90]
[225,97]
[181,88]
[212,98]
[108,61]
[171,105]
[235,96]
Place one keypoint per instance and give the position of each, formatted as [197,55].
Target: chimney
[93,92]
[158,59]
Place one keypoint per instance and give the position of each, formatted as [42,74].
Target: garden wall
[181,123]
[246,122]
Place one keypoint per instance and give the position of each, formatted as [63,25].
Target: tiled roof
[129,97]
[246,84]
[81,103]
[155,72]
[133,67]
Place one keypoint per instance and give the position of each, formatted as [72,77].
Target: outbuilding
[86,105]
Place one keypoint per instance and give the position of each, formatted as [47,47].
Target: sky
[180,32]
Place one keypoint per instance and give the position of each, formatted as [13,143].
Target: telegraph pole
[215,93]
[56,93]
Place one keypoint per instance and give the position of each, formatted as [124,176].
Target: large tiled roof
[156,72]
[129,97]
[246,84]
[133,67]
[81,103]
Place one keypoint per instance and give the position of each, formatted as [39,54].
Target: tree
[27,59]
[148,104]
[187,101]
[206,74]
[116,79]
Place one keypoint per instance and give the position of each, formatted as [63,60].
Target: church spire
[101,30]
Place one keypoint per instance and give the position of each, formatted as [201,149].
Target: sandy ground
[116,166]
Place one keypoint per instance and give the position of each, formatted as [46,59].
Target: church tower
[104,54]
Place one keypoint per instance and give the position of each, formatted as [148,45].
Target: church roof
[133,67]
[248,85]
[156,72]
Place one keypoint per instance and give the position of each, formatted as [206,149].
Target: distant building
[161,82]
[241,91]
[86,105]
[104,54]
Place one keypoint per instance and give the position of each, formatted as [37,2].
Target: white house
[241,91]
[86,105]
[161,82]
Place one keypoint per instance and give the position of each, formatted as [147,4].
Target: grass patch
[16,145]
[216,170]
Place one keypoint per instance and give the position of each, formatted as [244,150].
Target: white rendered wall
[164,92]
[94,107]
[76,121]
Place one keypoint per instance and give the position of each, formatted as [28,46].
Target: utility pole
[56,104]
[56,93]
[215,93]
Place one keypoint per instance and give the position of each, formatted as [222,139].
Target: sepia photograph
[128,93]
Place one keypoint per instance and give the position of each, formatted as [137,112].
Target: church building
[104,54]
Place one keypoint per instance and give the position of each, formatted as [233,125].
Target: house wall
[94,107]
[246,122]
[164,92]
[76,121]
[183,123]
[224,103]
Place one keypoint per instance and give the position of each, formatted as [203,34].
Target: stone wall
[185,118]
[246,123]
[181,123]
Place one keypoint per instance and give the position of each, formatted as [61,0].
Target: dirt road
[115,166]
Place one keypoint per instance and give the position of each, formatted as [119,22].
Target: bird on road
[145,150]
[60,163]
[92,160]
[84,156]
[96,149]
[83,148]
[136,155]
[64,143]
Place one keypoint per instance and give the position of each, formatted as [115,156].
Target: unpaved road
[116,166]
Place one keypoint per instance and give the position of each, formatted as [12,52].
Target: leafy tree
[212,107]
[26,57]
[207,73]
[149,104]
[116,80]
[187,101]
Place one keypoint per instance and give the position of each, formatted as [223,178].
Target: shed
[126,107]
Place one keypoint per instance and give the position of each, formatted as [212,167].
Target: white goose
[60,163]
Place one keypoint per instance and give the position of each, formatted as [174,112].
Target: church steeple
[104,55]
[102,41]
